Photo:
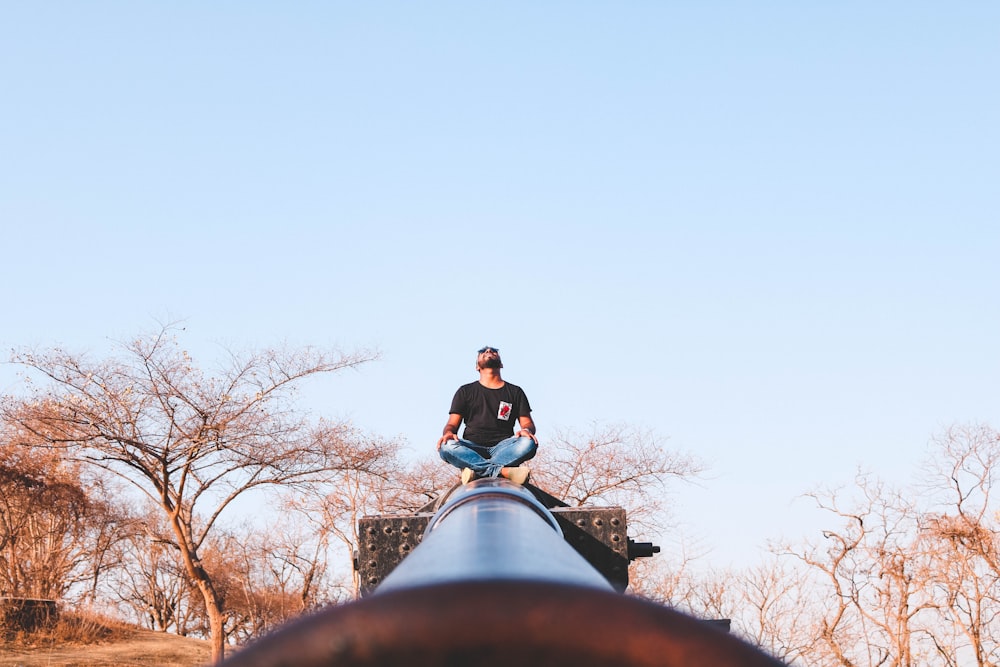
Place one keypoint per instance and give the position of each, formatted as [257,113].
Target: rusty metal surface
[493,624]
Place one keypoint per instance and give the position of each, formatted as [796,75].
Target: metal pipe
[493,530]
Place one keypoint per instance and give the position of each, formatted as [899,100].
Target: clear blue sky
[768,232]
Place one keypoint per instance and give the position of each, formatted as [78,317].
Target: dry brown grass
[88,640]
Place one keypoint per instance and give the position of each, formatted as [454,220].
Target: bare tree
[672,579]
[262,581]
[191,441]
[294,558]
[424,481]
[768,605]
[772,608]
[899,578]
[613,464]
[963,533]
[384,488]
[56,524]
[877,609]
[151,581]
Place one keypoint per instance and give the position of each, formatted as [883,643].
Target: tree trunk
[215,619]
[201,578]
[213,607]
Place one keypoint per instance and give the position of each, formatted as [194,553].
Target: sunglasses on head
[488,349]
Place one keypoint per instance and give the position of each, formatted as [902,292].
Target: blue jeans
[487,461]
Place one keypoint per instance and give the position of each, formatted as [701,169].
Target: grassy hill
[86,642]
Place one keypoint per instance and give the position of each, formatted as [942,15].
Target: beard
[491,362]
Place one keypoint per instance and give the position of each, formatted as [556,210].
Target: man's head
[488,357]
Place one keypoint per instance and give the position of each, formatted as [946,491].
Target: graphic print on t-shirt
[504,412]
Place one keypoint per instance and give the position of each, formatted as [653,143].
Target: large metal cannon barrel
[493,530]
[492,582]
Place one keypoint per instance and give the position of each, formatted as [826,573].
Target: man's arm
[527,427]
[451,429]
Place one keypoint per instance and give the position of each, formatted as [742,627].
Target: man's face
[489,358]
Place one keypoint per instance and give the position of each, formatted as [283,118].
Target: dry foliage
[75,628]
[90,640]
[614,464]
[191,441]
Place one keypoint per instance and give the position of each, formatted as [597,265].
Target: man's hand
[526,428]
[450,430]
[525,433]
[445,438]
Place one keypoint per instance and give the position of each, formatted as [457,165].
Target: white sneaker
[468,474]
[518,475]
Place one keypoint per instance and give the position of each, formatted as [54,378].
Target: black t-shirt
[490,415]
